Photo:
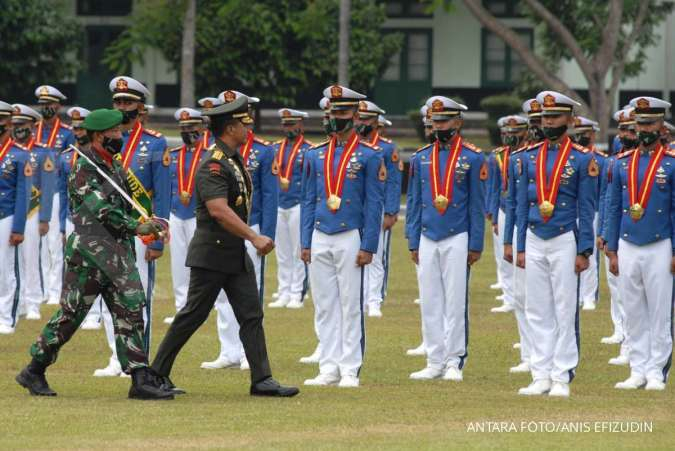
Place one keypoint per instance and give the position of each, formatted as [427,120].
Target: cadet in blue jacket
[341,223]
[533,110]
[584,135]
[57,136]
[146,158]
[627,140]
[43,164]
[15,190]
[555,215]
[377,271]
[641,245]
[446,231]
[290,154]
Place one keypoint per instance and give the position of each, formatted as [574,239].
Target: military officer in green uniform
[217,255]
[100,260]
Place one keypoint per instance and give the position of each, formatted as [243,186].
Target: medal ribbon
[205,139]
[288,172]
[73,160]
[334,184]
[376,138]
[548,192]
[434,169]
[52,135]
[5,149]
[182,186]
[31,143]
[132,143]
[245,149]
[646,189]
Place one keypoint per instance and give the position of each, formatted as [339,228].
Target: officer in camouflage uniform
[100,259]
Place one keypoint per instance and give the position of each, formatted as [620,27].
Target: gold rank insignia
[484,171]
[49,165]
[218,154]
[166,158]
[593,169]
[382,175]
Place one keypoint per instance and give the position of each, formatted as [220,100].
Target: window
[104,8]
[406,8]
[504,8]
[501,66]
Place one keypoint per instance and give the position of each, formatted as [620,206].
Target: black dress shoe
[35,383]
[168,385]
[270,387]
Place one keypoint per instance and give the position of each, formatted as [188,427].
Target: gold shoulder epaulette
[625,153]
[321,144]
[471,146]
[152,132]
[581,148]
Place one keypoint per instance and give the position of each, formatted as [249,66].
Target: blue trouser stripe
[572,372]
[597,275]
[669,362]
[42,281]
[17,291]
[363,322]
[385,262]
[462,359]
[305,284]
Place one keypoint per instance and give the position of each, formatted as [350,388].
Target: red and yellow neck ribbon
[5,148]
[638,195]
[442,195]
[187,186]
[547,190]
[130,149]
[245,149]
[286,173]
[52,135]
[333,183]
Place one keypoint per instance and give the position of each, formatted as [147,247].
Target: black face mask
[583,140]
[83,140]
[628,143]
[3,129]
[129,116]
[553,133]
[535,133]
[340,125]
[364,129]
[648,138]
[664,140]
[112,145]
[21,133]
[511,140]
[292,134]
[48,112]
[444,136]
[189,138]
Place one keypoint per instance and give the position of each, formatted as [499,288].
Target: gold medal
[185,198]
[636,211]
[546,209]
[441,202]
[333,202]
[239,201]
[284,182]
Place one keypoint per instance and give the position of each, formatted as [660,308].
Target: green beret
[101,120]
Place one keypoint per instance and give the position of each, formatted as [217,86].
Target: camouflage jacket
[103,220]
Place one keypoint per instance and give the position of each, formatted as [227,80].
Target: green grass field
[388,412]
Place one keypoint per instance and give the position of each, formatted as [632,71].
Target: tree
[187,62]
[274,49]
[39,45]
[343,44]
[606,38]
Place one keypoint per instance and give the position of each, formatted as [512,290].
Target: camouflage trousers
[118,282]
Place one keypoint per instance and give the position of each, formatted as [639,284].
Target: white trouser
[228,330]
[646,285]
[496,244]
[29,257]
[552,306]
[445,300]
[182,231]
[590,278]
[8,274]
[519,296]
[419,284]
[375,272]
[503,267]
[290,269]
[616,307]
[142,267]
[52,255]
[337,291]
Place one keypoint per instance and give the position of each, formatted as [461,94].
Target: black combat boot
[145,385]
[33,378]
